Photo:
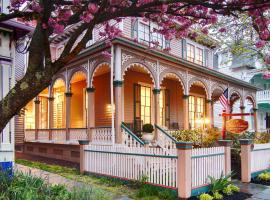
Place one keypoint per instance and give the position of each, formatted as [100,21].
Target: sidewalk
[57,179]
[259,192]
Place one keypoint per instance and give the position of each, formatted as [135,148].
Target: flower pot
[148,137]
[83,142]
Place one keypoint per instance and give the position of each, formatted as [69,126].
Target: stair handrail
[130,133]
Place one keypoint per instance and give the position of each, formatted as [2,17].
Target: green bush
[217,196]
[199,137]
[206,197]
[219,184]
[27,187]
[264,176]
[234,188]
[148,128]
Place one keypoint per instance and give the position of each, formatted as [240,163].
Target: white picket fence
[157,164]
[260,157]
[207,162]
[132,163]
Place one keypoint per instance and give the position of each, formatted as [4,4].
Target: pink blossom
[260,44]
[93,8]
[266,75]
[222,30]
[106,54]
[59,28]
[268,60]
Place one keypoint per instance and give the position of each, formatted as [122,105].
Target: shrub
[148,128]
[199,137]
[264,176]
[261,138]
[217,196]
[228,191]
[205,197]
[234,188]
[219,184]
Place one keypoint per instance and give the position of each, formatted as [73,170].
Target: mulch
[257,181]
[235,196]
[21,155]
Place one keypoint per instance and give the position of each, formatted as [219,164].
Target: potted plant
[147,134]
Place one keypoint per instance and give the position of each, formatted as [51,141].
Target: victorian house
[174,86]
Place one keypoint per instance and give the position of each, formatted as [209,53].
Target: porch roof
[162,55]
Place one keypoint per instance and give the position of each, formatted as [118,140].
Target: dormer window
[145,33]
[199,56]
[190,52]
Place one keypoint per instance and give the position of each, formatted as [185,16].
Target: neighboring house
[11,62]
[249,69]
[94,95]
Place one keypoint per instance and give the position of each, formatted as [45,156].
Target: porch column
[156,93]
[68,106]
[51,100]
[245,160]
[118,111]
[209,109]
[90,112]
[37,111]
[185,111]
[242,109]
[255,119]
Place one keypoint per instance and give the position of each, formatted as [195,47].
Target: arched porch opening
[138,97]
[58,93]
[78,112]
[235,104]
[171,102]
[217,107]
[249,108]
[197,105]
[29,115]
[101,82]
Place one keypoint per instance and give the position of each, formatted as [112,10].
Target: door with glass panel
[142,106]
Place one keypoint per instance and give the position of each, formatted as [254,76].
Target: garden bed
[235,196]
[262,182]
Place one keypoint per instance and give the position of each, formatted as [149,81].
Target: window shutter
[206,55]
[184,49]
[215,61]
[137,108]
[134,28]
[167,43]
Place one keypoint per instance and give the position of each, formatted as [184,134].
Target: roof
[20,29]
[159,54]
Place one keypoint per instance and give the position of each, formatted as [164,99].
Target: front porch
[108,102]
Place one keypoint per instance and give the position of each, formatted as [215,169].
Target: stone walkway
[52,178]
[260,192]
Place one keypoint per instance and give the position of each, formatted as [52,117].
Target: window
[199,56]
[43,112]
[145,33]
[190,52]
[146,104]
[196,112]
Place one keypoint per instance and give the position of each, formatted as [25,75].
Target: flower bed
[263,178]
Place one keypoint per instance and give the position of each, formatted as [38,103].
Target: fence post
[184,150]
[82,143]
[227,144]
[245,160]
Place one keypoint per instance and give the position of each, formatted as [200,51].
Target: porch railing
[59,135]
[130,138]
[102,135]
[263,96]
[76,134]
[29,135]
[43,134]
[164,139]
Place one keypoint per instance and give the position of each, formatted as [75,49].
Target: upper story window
[190,52]
[199,56]
[145,33]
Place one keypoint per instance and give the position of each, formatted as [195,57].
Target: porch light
[110,107]
[206,121]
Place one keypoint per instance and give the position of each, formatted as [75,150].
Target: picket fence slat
[260,159]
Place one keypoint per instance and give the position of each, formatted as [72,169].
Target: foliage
[234,188]
[205,196]
[134,189]
[28,187]
[264,176]
[219,184]
[198,137]
[261,138]
[148,128]
[217,196]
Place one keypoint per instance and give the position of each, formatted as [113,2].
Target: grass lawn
[116,187]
